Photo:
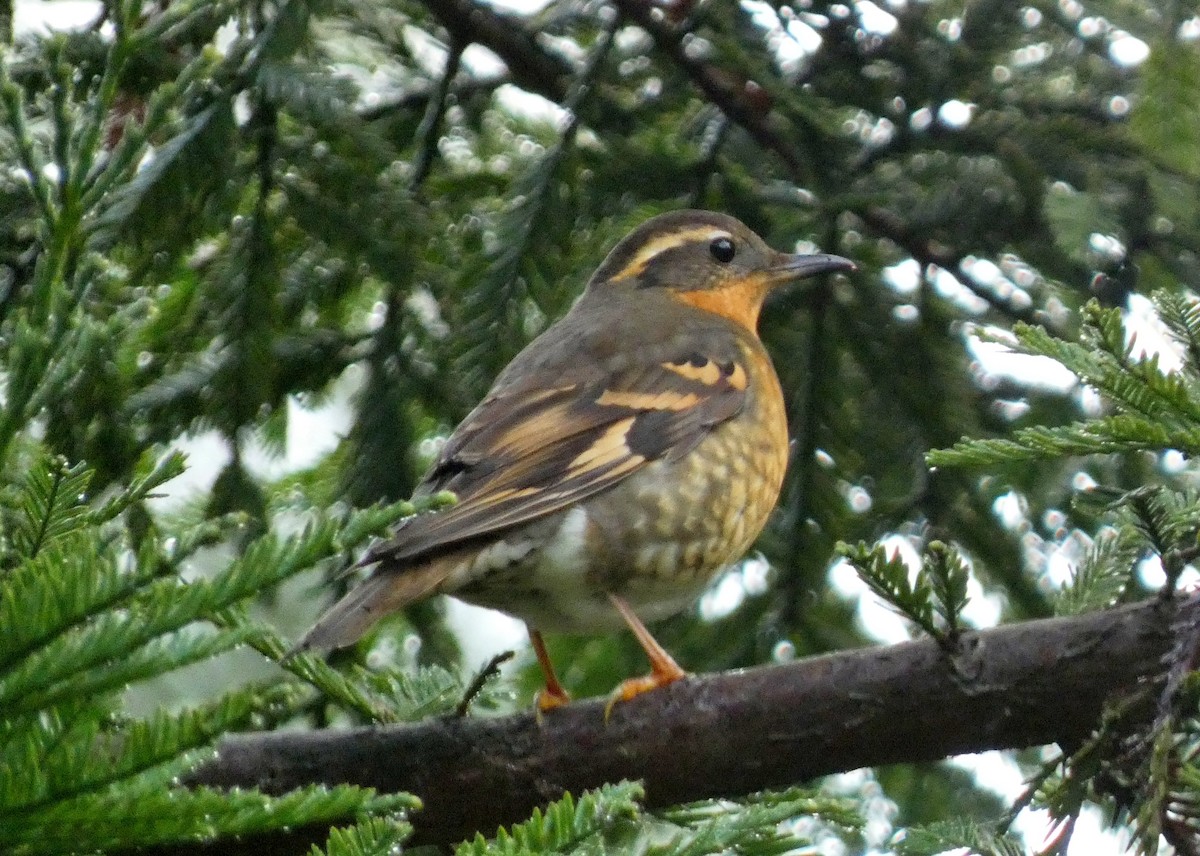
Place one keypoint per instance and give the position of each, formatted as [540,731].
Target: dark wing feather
[534,448]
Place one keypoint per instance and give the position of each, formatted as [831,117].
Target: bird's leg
[553,695]
[663,668]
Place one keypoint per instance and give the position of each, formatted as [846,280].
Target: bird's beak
[789,268]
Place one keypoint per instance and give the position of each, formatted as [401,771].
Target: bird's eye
[722,250]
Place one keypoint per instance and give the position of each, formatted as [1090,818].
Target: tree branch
[532,66]
[722,88]
[928,252]
[734,733]
[539,70]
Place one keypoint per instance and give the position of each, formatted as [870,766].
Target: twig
[719,87]
[490,670]
[923,251]
[532,67]
[427,133]
[419,96]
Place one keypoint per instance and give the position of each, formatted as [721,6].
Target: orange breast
[681,521]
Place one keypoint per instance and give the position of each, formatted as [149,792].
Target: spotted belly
[657,539]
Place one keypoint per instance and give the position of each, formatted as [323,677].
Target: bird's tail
[376,596]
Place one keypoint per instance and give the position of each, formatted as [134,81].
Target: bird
[619,463]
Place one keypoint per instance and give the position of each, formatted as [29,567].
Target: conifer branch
[718,86]
[427,133]
[531,66]
[735,733]
[928,252]
[419,96]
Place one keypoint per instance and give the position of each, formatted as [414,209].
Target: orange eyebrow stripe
[663,243]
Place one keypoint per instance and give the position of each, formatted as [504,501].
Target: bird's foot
[550,698]
[662,675]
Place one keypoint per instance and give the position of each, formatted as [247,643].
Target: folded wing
[535,449]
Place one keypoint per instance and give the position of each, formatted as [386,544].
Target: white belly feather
[549,588]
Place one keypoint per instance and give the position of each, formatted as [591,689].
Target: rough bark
[727,734]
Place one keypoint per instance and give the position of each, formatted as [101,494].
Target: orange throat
[740,302]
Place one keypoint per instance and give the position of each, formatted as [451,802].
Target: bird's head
[708,260]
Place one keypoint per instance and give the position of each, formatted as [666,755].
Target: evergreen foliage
[374,837]
[87,613]
[1146,770]
[934,601]
[611,820]
[216,216]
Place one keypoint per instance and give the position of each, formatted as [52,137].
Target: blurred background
[338,220]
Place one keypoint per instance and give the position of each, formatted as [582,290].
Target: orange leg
[553,695]
[663,668]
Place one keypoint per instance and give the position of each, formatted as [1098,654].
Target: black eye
[722,250]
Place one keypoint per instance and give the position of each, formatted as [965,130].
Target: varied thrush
[621,460]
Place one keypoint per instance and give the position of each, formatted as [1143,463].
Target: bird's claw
[634,687]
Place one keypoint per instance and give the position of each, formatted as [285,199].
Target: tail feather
[383,592]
